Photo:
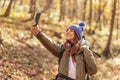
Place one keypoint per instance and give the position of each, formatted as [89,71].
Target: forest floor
[22,57]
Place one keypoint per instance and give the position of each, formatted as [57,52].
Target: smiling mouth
[68,35]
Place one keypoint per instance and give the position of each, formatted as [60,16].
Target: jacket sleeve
[52,46]
[89,61]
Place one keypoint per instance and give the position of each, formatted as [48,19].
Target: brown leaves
[24,58]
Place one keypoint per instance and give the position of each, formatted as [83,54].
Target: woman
[77,59]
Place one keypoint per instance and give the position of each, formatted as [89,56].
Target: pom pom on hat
[82,25]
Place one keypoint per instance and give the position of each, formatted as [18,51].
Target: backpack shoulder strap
[61,53]
[97,54]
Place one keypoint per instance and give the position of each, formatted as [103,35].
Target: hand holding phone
[36,18]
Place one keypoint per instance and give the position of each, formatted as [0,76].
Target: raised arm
[52,46]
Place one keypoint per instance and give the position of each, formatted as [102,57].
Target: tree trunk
[75,7]
[32,10]
[21,2]
[31,6]
[117,28]
[48,5]
[62,11]
[90,16]
[118,18]
[106,52]
[14,3]
[3,3]
[69,9]
[99,15]
[84,9]
[104,17]
[7,12]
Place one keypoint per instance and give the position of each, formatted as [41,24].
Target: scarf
[72,48]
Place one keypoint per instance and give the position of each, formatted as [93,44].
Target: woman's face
[70,35]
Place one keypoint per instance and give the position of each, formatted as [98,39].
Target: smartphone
[36,18]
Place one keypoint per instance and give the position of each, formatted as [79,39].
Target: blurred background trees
[97,13]
[19,49]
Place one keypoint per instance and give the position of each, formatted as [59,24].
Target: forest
[23,57]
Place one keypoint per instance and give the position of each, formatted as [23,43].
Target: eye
[69,30]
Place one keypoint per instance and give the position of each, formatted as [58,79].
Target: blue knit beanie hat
[78,29]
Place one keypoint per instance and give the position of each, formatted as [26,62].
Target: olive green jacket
[81,59]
